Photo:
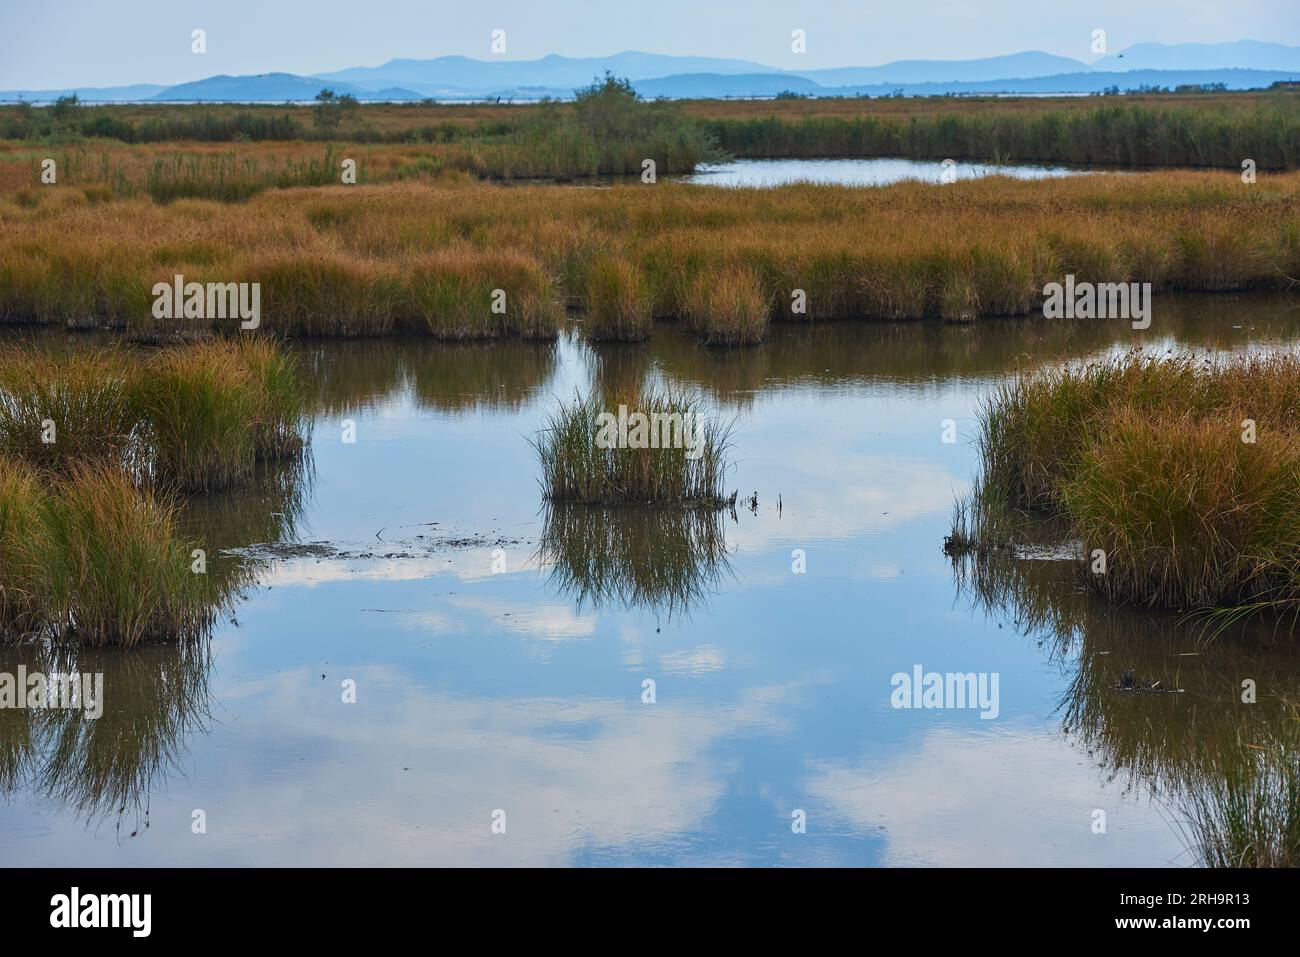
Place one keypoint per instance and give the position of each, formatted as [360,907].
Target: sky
[46,44]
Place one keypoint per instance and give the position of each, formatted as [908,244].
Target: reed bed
[678,456]
[1154,133]
[375,260]
[194,418]
[1186,129]
[1185,472]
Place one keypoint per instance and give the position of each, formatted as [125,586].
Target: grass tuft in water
[89,556]
[59,408]
[1184,472]
[670,454]
[196,417]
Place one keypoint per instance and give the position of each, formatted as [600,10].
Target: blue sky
[60,43]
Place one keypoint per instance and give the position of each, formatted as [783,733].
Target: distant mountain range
[1241,64]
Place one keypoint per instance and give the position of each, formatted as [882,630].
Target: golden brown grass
[355,259]
[1184,472]
[729,307]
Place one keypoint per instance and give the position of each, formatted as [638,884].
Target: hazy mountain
[1091,82]
[91,94]
[1248,54]
[463,73]
[273,87]
[1240,64]
[1032,63]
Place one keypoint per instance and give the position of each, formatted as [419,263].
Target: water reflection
[664,560]
[521,689]
[766,173]
[154,699]
[443,376]
[921,353]
[1201,716]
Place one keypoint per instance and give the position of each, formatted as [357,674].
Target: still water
[856,172]
[499,652]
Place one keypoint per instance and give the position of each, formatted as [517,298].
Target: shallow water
[856,172]
[521,690]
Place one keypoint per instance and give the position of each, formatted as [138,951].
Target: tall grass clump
[196,417]
[459,295]
[326,294]
[59,408]
[618,300]
[211,410]
[200,403]
[672,453]
[728,307]
[89,556]
[22,548]
[280,400]
[1186,512]
[1184,472]
[117,571]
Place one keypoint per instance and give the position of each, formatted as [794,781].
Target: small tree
[609,108]
[331,108]
[65,107]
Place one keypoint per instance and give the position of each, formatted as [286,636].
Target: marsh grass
[576,469]
[375,260]
[462,296]
[90,557]
[23,544]
[618,300]
[1188,514]
[201,406]
[730,307]
[194,417]
[280,403]
[60,408]
[222,177]
[1145,459]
